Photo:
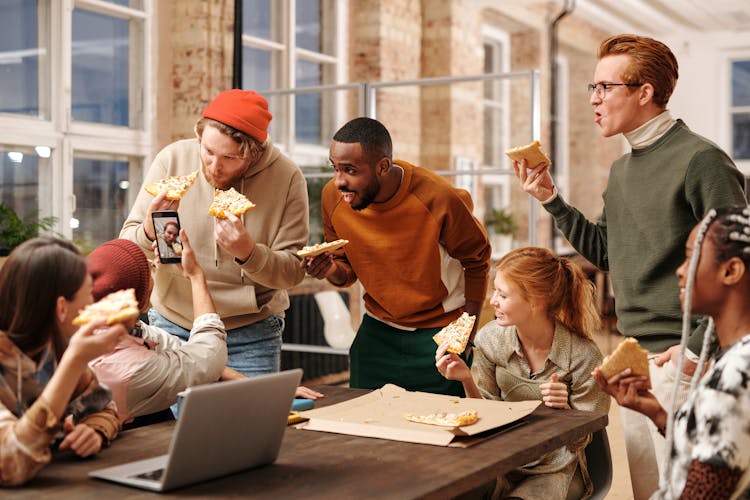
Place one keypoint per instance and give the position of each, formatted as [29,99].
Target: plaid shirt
[27,424]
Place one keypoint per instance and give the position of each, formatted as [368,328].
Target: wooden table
[326,465]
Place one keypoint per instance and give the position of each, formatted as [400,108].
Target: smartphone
[168,243]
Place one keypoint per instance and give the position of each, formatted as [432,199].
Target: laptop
[223,428]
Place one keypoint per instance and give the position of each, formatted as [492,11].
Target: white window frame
[284,56]
[67,138]
[726,130]
[500,39]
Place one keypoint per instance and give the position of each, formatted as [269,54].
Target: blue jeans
[253,349]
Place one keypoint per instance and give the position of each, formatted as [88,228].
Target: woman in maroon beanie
[150,367]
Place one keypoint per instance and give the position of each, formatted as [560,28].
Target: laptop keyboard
[152,475]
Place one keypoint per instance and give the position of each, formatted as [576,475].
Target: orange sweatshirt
[419,256]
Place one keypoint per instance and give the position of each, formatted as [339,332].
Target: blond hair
[555,281]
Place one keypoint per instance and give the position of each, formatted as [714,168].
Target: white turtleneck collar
[651,131]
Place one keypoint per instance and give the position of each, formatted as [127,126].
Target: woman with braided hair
[538,348]
[708,438]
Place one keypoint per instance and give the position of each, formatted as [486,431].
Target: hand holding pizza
[630,391]
[319,266]
[537,181]
[555,393]
[94,339]
[450,365]
[160,202]
[231,234]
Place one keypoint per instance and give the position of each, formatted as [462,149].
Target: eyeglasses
[601,89]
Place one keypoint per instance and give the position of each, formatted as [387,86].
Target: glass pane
[19,181]
[256,69]
[256,18]
[100,72]
[101,190]
[307,106]
[307,29]
[133,4]
[741,136]
[20,54]
[25,183]
[741,83]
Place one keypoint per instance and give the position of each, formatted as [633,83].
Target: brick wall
[201,48]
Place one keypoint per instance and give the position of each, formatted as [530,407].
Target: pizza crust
[531,152]
[328,246]
[445,419]
[117,307]
[230,201]
[457,333]
[176,185]
[627,355]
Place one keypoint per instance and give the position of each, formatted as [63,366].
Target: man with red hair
[655,195]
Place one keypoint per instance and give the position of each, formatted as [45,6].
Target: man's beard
[232,182]
[368,196]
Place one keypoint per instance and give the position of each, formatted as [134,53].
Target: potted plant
[14,230]
[502,228]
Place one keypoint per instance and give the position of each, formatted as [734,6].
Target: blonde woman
[538,348]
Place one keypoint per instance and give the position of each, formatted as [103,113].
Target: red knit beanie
[242,109]
[119,265]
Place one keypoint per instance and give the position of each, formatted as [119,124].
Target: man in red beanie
[150,367]
[249,261]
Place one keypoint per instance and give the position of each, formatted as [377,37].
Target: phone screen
[168,243]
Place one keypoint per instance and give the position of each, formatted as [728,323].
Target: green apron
[382,354]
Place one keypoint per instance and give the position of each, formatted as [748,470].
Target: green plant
[14,230]
[501,221]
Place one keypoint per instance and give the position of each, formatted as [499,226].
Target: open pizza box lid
[380,414]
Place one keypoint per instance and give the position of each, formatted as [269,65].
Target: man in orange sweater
[414,245]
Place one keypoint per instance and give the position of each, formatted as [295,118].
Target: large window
[290,44]
[73,131]
[740,109]
[496,187]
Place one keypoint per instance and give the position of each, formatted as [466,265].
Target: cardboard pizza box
[380,414]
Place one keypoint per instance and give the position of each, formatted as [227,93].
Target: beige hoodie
[243,294]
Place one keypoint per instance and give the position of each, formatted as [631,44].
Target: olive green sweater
[654,198]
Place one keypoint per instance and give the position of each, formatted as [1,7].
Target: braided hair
[728,230]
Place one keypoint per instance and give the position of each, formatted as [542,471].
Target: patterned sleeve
[25,442]
[709,481]
[720,433]
[92,405]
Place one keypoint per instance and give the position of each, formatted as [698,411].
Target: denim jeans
[253,349]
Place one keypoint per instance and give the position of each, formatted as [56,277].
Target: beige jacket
[243,294]
[145,374]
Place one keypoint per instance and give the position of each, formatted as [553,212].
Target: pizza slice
[176,185]
[531,152]
[230,201]
[117,307]
[328,246]
[457,333]
[627,355]
[445,419]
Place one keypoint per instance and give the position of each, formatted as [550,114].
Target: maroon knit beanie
[119,265]
[241,109]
